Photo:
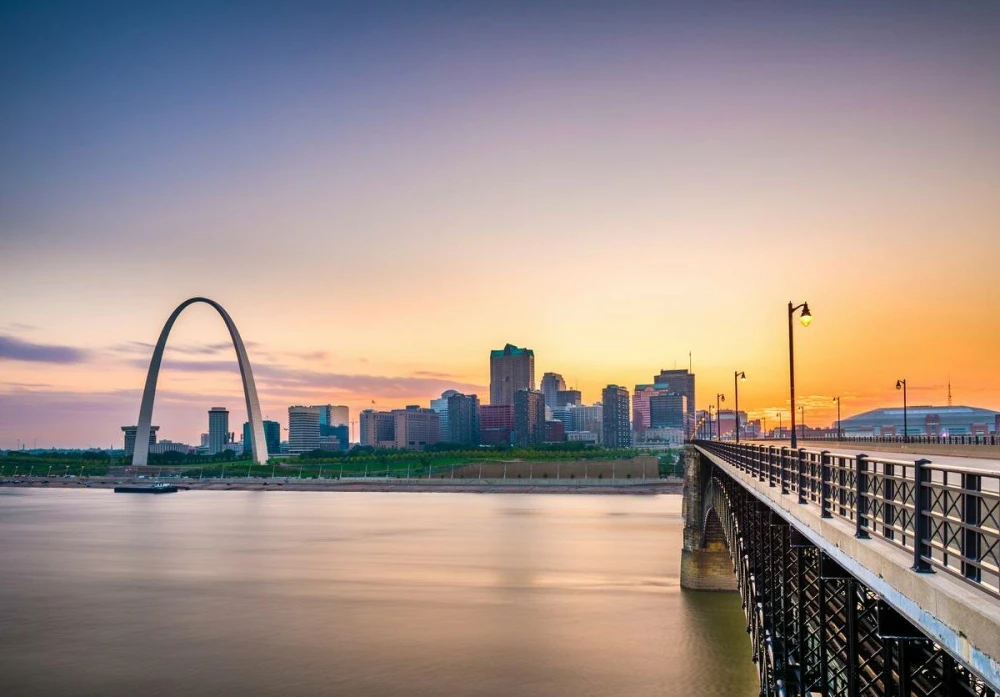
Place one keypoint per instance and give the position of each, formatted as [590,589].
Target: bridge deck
[964,619]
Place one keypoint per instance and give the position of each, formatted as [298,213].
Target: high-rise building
[218,429]
[378,429]
[272,436]
[552,383]
[668,410]
[566,397]
[130,432]
[463,419]
[416,427]
[496,423]
[529,417]
[303,429]
[555,432]
[511,369]
[589,418]
[617,428]
[681,382]
[333,415]
[440,405]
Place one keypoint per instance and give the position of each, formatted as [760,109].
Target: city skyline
[613,186]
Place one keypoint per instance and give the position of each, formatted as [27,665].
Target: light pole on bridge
[806,319]
[901,385]
[839,432]
[802,410]
[779,424]
[719,398]
[738,377]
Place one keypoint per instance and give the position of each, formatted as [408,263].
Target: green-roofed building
[511,369]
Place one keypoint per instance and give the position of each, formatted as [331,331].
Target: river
[288,593]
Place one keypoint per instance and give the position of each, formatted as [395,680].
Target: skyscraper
[333,415]
[529,417]
[272,436]
[566,397]
[334,422]
[511,369]
[552,383]
[681,382]
[440,406]
[668,410]
[303,429]
[218,429]
[463,419]
[616,426]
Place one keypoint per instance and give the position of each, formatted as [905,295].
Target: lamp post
[802,410]
[901,385]
[719,398]
[806,319]
[738,377]
[779,424]
[710,427]
[764,426]
[839,432]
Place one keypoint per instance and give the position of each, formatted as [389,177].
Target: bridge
[861,574]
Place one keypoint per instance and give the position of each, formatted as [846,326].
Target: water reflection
[249,593]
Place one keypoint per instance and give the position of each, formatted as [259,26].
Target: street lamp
[710,427]
[901,385]
[839,432]
[802,410]
[738,377]
[805,317]
[719,398]
[778,415]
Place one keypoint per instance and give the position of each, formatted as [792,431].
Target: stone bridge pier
[706,564]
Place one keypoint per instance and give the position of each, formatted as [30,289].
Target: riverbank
[486,486]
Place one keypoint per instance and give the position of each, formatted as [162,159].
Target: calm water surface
[247,593]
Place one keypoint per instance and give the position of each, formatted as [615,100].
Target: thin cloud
[281,379]
[14,349]
[145,348]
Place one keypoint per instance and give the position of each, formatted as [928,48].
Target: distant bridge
[860,574]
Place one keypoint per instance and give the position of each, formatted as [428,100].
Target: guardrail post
[781,473]
[971,537]
[921,519]
[860,502]
[802,476]
[824,484]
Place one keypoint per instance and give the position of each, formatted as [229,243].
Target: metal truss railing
[814,628]
[948,517]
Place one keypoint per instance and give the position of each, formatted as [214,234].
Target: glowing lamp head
[899,384]
[806,317]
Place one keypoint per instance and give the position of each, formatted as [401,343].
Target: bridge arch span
[140,455]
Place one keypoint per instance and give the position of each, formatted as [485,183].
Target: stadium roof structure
[956,420]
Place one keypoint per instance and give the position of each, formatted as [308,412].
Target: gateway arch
[141,453]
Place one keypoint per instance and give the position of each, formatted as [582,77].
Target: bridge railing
[980,439]
[948,517]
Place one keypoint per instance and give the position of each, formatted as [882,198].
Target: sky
[380,193]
